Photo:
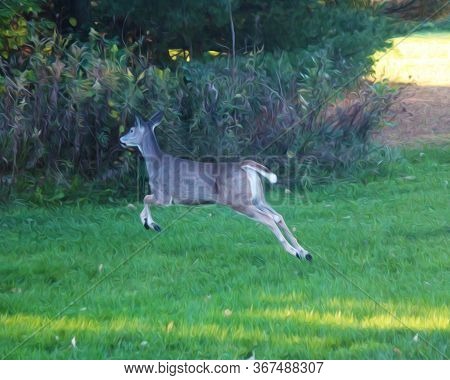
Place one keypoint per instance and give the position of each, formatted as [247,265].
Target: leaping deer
[175,180]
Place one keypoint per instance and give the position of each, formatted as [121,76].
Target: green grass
[215,285]
[422,58]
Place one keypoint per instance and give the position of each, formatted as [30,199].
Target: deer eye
[132,130]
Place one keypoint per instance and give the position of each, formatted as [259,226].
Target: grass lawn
[422,58]
[87,281]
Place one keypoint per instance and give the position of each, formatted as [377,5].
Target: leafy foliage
[17,22]
[277,109]
[198,26]
[64,106]
[62,115]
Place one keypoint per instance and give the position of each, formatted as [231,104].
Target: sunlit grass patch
[423,59]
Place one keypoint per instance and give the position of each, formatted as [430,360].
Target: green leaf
[141,76]
[73,22]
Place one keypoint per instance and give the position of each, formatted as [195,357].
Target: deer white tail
[260,169]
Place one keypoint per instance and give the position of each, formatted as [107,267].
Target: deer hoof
[307,257]
[156,227]
[147,227]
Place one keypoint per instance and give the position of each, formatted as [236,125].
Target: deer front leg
[146,216]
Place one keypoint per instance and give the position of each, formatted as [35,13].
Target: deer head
[137,133]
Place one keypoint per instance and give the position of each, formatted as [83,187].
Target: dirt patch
[419,115]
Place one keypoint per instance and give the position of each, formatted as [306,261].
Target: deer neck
[150,148]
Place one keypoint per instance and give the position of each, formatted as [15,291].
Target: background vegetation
[252,78]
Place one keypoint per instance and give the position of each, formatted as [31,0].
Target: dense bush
[19,19]
[277,109]
[61,117]
[64,104]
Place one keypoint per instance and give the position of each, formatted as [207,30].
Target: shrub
[65,103]
[61,115]
[18,20]
[277,109]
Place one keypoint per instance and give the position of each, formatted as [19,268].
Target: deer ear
[155,120]
[138,122]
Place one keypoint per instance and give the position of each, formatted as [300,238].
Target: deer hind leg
[265,218]
[146,216]
[279,220]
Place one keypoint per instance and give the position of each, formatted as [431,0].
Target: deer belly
[198,193]
[193,200]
